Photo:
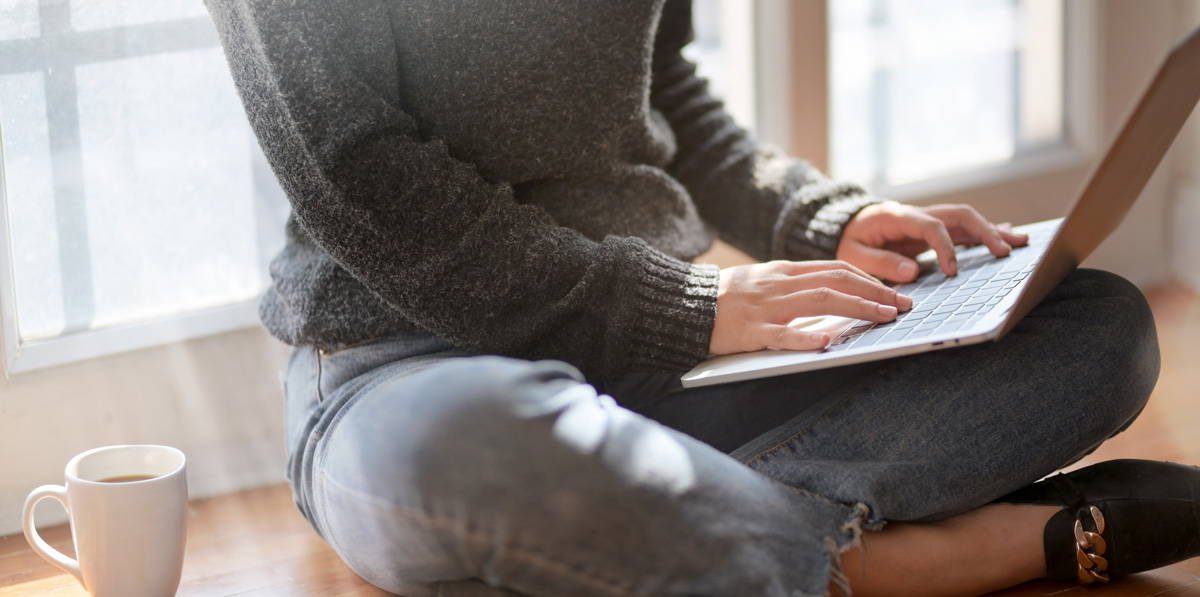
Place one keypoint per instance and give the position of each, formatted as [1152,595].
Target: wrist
[815,235]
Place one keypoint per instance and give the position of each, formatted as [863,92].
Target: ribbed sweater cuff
[668,311]
[802,234]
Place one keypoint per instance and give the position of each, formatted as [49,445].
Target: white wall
[1185,212]
[217,398]
[1135,38]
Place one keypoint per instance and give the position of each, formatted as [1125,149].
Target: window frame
[28,355]
[803,112]
[792,96]
[21,357]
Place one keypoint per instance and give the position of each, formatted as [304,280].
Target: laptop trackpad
[834,325]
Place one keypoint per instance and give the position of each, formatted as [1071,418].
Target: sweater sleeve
[761,201]
[449,249]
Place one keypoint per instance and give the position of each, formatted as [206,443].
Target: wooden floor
[254,543]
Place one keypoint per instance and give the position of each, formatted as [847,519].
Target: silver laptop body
[989,296]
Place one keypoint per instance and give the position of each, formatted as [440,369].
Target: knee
[1107,299]
[1114,340]
[1125,325]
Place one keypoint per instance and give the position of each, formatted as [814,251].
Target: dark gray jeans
[436,472]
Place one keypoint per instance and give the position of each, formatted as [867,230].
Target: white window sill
[1050,160]
[40,354]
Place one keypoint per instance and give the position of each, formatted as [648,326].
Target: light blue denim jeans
[433,471]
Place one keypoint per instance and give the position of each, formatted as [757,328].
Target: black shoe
[1121,517]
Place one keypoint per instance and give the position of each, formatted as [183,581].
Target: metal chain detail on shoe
[1090,547]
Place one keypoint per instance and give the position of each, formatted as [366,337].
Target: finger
[850,283]
[782,337]
[1012,237]
[976,226]
[886,264]
[933,231]
[827,301]
[797,268]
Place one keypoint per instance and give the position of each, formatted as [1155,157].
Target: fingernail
[907,270]
[887,311]
[905,301]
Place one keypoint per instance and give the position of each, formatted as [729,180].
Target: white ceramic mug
[129,535]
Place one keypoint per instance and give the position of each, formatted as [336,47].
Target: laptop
[990,295]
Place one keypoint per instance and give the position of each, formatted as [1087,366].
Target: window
[724,54]
[893,92]
[133,187]
[923,88]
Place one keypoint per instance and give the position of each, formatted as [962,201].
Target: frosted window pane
[101,14]
[134,186]
[922,88]
[723,52]
[18,19]
[166,165]
[705,49]
[30,192]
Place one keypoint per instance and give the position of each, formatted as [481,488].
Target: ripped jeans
[433,471]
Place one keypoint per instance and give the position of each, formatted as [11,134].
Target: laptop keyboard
[942,305]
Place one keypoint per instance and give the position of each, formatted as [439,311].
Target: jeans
[435,471]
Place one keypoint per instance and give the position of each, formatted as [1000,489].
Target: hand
[883,238]
[756,302]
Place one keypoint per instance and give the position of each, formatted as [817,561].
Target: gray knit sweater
[519,177]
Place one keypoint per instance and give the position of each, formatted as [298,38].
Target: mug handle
[35,540]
